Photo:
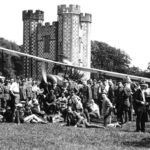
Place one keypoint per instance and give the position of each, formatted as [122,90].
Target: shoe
[137,131]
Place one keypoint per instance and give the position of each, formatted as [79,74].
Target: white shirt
[94,107]
[35,88]
[14,87]
[143,94]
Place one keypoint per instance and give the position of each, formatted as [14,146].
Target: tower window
[46,39]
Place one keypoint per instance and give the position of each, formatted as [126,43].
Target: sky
[123,24]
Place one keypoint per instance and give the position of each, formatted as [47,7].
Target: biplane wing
[9,53]
[108,73]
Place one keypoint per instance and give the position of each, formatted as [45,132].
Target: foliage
[113,59]
[10,65]
[109,58]
[148,68]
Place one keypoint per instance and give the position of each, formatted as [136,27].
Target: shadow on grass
[145,142]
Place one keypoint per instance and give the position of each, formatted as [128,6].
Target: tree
[148,67]
[109,58]
[10,65]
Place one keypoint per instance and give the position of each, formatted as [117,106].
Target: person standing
[125,104]
[118,102]
[6,94]
[15,94]
[1,93]
[95,89]
[100,87]
[23,91]
[111,92]
[29,89]
[84,93]
[140,108]
[107,109]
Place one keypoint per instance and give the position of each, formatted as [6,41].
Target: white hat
[19,105]
[35,102]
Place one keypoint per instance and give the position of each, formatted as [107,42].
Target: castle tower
[30,21]
[68,32]
[47,45]
[68,37]
[74,36]
[85,41]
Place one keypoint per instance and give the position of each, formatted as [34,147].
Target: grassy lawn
[56,137]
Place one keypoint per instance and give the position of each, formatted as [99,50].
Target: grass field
[56,137]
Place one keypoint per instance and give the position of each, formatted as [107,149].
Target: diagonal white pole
[108,73]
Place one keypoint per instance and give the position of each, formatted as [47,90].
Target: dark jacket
[111,94]
[1,91]
[138,98]
[126,96]
[23,92]
[95,89]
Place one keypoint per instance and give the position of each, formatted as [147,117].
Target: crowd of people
[80,104]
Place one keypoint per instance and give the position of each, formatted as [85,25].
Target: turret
[29,14]
[74,9]
[86,17]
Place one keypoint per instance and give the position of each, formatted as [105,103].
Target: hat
[72,91]
[91,101]
[17,78]
[23,80]
[127,80]
[144,85]
[19,105]
[65,81]
[99,81]
[23,102]
[94,80]
[35,102]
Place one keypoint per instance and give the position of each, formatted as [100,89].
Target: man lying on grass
[82,122]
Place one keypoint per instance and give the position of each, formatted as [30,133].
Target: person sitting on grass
[35,107]
[75,102]
[50,103]
[62,105]
[8,115]
[92,111]
[70,115]
[24,115]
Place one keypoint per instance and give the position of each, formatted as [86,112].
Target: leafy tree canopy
[10,65]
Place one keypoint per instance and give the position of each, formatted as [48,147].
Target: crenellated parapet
[85,17]
[47,29]
[74,9]
[30,14]
[47,24]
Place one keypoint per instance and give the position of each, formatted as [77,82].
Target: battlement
[47,24]
[55,23]
[29,14]
[75,9]
[85,17]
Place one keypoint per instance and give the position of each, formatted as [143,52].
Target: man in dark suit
[140,107]
[94,89]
